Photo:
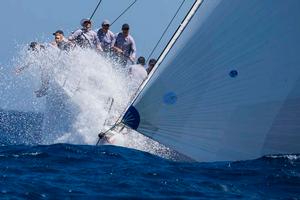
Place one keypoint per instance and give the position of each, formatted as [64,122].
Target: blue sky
[23,21]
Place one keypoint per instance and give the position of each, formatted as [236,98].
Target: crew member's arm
[18,70]
[117,49]
[97,43]
[133,50]
[114,47]
[53,43]
[70,45]
[73,37]
[113,39]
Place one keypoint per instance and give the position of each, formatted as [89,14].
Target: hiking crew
[60,41]
[37,48]
[34,47]
[106,37]
[120,46]
[151,64]
[138,72]
[124,46]
[86,37]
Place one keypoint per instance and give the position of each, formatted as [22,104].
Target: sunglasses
[106,25]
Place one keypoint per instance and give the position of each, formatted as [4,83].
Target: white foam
[78,101]
[289,157]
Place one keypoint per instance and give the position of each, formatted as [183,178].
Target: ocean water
[67,171]
[77,171]
[50,153]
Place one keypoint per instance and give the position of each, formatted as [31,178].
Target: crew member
[138,72]
[151,64]
[37,48]
[60,41]
[86,37]
[106,37]
[124,46]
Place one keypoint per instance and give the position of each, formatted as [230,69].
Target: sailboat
[227,85]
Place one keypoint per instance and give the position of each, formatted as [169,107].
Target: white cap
[105,22]
[84,20]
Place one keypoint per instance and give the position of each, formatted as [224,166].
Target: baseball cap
[105,22]
[141,60]
[125,26]
[58,32]
[152,61]
[85,20]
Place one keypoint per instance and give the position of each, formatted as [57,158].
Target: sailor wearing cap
[86,37]
[138,72]
[106,37]
[38,48]
[33,47]
[60,41]
[151,65]
[125,46]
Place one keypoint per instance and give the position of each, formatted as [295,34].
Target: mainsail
[229,88]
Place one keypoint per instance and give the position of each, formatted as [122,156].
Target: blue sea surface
[65,171]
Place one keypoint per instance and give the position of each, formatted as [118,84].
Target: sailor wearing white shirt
[138,72]
[86,37]
[60,41]
[106,37]
[124,46]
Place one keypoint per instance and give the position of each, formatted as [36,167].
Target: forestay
[229,88]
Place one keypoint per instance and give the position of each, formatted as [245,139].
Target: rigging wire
[95,9]
[123,12]
[165,31]
[102,135]
[91,17]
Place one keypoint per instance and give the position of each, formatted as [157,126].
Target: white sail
[229,88]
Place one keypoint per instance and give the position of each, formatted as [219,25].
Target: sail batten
[228,87]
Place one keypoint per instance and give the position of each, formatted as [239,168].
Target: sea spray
[81,85]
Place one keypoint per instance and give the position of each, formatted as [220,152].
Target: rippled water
[34,171]
[61,171]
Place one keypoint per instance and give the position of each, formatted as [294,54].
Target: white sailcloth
[229,88]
